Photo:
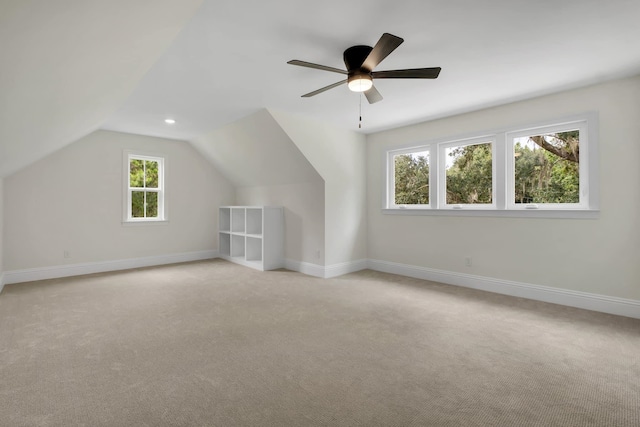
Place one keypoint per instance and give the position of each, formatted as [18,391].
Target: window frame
[503,167]
[583,169]
[442,177]
[391,187]
[128,219]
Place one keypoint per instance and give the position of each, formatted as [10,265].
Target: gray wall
[600,256]
[339,156]
[1,230]
[303,216]
[267,168]
[72,201]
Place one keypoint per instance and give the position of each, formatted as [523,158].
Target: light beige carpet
[215,344]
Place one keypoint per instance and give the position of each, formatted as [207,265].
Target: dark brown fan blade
[315,92]
[387,44]
[316,66]
[373,95]
[415,73]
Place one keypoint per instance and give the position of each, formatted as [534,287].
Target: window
[145,188]
[411,178]
[547,167]
[547,170]
[468,174]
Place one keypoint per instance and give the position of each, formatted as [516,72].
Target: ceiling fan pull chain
[360,122]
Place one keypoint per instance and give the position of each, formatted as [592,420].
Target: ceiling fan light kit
[360,61]
[360,82]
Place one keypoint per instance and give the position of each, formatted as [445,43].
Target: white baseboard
[325,272]
[42,273]
[335,270]
[588,301]
[304,268]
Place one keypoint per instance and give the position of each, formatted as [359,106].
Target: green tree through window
[547,168]
[537,168]
[144,187]
[470,176]
[412,179]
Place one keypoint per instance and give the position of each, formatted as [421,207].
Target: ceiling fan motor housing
[354,58]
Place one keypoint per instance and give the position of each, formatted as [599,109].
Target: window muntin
[572,192]
[145,188]
[468,174]
[547,167]
[410,184]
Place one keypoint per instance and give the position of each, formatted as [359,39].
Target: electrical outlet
[467,261]
[318,254]
[66,254]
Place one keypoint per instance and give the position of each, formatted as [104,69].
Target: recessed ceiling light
[170,121]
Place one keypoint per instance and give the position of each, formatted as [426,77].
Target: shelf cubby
[254,221]
[237,220]
[224,242]
[253,247]
[224,219]
[237,246]
[252,236]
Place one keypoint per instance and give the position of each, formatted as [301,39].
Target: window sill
[145,223]
[512,213]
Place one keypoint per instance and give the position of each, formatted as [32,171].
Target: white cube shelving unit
[252,236]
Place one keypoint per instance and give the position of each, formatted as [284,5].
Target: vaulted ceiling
[68,65]
[72,66]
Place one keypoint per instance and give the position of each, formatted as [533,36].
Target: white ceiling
[67,65]
[230,59]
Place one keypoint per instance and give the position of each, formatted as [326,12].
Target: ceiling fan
[361,60]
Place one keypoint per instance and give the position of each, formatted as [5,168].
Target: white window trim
[391,166]
[502,166]
[442,175]
[582,127]
[162,218]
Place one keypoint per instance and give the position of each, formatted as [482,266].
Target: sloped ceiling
[255,150]
[71,66]
[230,60]
[67,65]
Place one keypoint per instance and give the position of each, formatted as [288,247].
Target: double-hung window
[145,188]
[547,170]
